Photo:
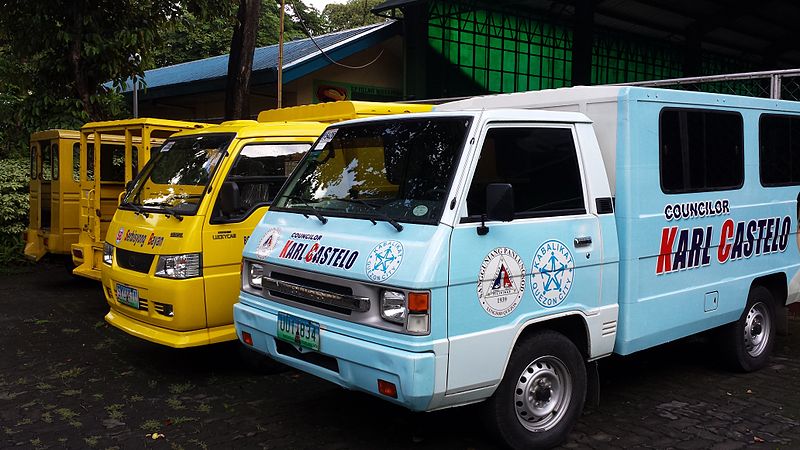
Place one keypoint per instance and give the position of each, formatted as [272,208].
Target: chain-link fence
[779,84]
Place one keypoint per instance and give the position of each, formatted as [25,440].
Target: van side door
[255,176]
[543,262]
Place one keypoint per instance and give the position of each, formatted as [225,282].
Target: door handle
[583,241]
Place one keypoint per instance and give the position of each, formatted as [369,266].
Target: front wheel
[542,393]
[751,338]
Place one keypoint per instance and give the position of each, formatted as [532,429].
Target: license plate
[128,296]
[301,332]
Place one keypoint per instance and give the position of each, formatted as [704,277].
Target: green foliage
[201,35]
[352,14]
[13,208]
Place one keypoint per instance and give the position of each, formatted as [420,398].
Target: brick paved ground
[69,380]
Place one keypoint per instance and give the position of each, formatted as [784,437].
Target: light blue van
[493,249]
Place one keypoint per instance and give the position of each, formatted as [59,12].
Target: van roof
[339,111]
[250,128]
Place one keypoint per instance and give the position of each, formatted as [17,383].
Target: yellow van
[126,146]
[172,256]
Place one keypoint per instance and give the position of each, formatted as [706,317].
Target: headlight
[108,253]
[254,274]
[393,306]
[179,266]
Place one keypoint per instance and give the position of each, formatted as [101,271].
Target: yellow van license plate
[127,295]
[302,332]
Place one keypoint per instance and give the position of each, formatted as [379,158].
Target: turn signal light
[247,338]
[419,302]
[387,389]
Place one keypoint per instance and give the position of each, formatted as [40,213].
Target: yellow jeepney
[54,193]
[105,173]
[171,260]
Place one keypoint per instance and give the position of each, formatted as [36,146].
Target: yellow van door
[255,176]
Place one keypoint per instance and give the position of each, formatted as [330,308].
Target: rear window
[700,150]
[779,150]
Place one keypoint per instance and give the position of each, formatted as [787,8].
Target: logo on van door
[551,273]
[501,281]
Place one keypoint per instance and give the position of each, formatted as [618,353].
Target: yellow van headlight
[108,253]
[179,266]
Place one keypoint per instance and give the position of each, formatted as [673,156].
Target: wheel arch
[776,284]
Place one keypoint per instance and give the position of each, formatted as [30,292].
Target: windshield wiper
[382,216]
[312,208]
[136,209]
[168,210]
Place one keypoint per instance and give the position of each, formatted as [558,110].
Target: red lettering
[285,248]
[310,254]
[724,249]
[664,263]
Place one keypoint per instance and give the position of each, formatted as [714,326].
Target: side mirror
[228,198]
[500,202]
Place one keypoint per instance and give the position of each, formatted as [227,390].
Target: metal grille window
[616,59]
[700,150]
[496,51]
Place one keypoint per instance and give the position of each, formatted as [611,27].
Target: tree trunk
[79,75]
[240,62]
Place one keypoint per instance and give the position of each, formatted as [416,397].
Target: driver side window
[258,173]
[540,163]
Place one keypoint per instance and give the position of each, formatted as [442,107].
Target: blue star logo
[553,274]
[382,261]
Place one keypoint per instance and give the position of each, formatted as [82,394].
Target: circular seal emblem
[268,243]
[384,260]
[501,281]
[120,234]
[552,271]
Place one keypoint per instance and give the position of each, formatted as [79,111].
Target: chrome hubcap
[543,393]
[757,327]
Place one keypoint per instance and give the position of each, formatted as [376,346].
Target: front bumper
[170,338]
[359,364]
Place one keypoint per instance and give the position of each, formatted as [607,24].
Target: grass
[181,388]
[71,392]
[69,416]
[70,330]
[136,398]
[182,419]
[203,408]
[47,417]
[91,441]
[70,373]
[42,386]
[115,411]
[151,425]
[174,403]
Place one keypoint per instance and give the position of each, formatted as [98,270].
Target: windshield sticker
[501,282]
[267,243]
[141,240]
[165,148]
[420,210]
[326,137]
[384,260]
[552,271]
[120,234]
[321,255]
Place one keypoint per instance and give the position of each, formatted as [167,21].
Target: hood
[156,234]
[415,258]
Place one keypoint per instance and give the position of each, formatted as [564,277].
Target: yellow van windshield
[175,178]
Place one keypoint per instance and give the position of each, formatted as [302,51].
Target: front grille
[138,262]
[313,284]
[165,309]
[318,359]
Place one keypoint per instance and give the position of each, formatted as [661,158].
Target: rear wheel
[751,338]
[542,393]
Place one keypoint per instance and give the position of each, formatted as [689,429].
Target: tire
[749,340]
[549,367]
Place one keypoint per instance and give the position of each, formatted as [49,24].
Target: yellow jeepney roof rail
[111,126]
[54,134]
[339,111]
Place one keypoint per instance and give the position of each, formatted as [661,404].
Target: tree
[74,46]
[352,14]
[240,61]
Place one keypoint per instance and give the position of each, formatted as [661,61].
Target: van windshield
[399,169]
[175,178]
